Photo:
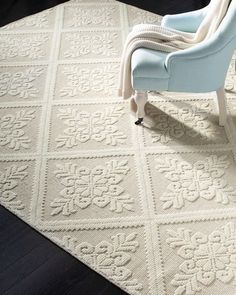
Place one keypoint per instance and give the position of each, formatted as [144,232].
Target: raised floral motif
[111,258]
[83,44]
[81,80]
[92,16]
[9,180]
[12,133]
[176,123]
[189,182]
[138,16]
[39,21]
[24,46]
[83,126]
[99,186]
[207,258]
[20,83]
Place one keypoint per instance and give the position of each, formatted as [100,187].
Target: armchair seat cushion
[148,69]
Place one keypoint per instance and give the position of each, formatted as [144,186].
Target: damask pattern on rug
[19,129]
[92,44]
[43,20]
[207,258]
[188,122]
[9,179]
[137,16]
[203,179]
[192,182]
[91,15]
[111,258]
[84,187]
[17,185]
[80,126]
[115,254]
[84,126]
[86,80]
[151,207]
[24,47]
[20,83]
[87,188]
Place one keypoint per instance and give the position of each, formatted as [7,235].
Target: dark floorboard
[11,10]
[30,264]
[163,7]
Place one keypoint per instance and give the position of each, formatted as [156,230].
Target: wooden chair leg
[221,100]
[140,99]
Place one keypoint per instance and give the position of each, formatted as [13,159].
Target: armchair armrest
[206,63]
[186,22]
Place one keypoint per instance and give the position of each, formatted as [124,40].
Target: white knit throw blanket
[166,40]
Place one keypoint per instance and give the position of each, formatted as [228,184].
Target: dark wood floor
[163,7]
[29,263]
[11,10]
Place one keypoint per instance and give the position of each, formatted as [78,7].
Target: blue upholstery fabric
[149,65]
[202,68]
[186,22]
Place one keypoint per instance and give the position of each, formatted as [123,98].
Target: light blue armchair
[201,68]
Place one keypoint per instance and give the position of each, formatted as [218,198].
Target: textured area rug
[152,208]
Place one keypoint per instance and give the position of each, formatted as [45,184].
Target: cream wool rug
[152,208]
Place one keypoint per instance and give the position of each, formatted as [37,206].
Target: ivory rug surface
[152,208]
